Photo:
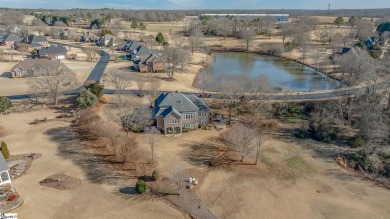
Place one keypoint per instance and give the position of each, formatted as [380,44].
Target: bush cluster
[356,141]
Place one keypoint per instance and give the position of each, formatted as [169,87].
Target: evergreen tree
[96,88]
[160,38]
[142,26]
[4,150]
[134,25]
[5,104]
[339,21]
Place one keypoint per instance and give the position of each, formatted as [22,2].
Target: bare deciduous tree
[195,40]
[231,91]
[152,89]
[242,139]
[141,83]
[52,82]
[173,58]
[247,36]
[258,90]
[152,135]
[118,83]
[91,53]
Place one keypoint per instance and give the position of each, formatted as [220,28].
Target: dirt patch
[61,182]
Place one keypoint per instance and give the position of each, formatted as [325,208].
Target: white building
[275,17]
[4,171]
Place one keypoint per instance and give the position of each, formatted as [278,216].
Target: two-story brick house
[174,111]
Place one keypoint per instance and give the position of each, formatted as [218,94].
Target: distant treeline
[11,16]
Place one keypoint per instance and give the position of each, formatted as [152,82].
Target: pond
[281,73]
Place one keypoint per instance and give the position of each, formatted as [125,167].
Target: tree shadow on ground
[130,193]
[321,150]
[96,169]
[201,153]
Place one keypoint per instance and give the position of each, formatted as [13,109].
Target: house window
[172,121]
[188,116]
[203,114]
[4,176]
[189,125]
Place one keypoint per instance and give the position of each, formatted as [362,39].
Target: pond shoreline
[224,49]
[238,50]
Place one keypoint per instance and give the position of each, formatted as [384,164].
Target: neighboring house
[107,40]
[174,111]
[149,63]
[370,42]
[88,37]
[10,40]
[131,45]
[36,41]
[55,51]
[33,67]
[4,171]
[145,60]
[383,40]
[65,34]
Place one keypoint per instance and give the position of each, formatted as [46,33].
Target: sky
[196,4]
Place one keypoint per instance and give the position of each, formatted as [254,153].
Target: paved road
[98,71]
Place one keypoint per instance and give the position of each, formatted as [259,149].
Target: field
[293,180]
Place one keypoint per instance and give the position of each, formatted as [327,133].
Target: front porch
[173,131]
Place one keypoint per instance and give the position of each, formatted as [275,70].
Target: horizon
[196,5]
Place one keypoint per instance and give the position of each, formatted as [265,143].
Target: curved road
[98,71]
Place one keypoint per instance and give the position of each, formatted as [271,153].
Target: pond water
[281,73]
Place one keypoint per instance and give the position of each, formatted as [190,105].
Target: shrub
[4,150]
[140,186]
[366,161]
[12,197]
[156,175]
[325,134]
[185,130]
[361,45]
[302,132]
[356,141]
[96,88]
[86,99]
[375,51]
[5,104]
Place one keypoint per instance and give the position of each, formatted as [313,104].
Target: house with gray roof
[54,51]
[145,60]
[107,40]
[175,111]
[149,63]
[10,40]
[36,41]
[4,171]
[33,67]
